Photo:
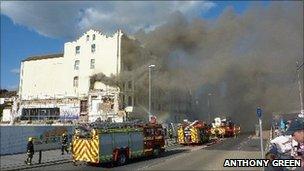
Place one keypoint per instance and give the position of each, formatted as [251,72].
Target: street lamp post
[150,89]
[209,114]
[300,92]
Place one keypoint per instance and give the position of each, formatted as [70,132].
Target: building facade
[58,86]
[68,74]
[96,77]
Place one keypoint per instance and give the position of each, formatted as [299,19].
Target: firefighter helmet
[30,139]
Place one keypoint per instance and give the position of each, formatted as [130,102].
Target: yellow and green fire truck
[117,144]
[196,132]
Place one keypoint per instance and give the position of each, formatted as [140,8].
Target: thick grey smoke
[223,67]
[110,81]
[244,61]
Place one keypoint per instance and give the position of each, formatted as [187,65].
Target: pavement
[205,157]
[51,157]
[16,161]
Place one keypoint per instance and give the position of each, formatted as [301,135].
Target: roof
[6,94]
[32,58]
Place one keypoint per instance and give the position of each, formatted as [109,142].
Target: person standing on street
[296,130]
[170,133]
[29,151]
[64,144]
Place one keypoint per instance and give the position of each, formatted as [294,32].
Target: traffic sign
[259,112]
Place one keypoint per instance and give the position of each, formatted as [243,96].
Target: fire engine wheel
[122,159]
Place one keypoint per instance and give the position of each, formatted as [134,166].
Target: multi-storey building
[97,76]
[59,85]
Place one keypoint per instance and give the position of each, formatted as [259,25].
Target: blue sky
[22,36]
[14,49]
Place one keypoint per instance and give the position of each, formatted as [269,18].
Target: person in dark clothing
[64,143]
[170,133]
[29,151]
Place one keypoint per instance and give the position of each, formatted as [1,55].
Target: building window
[40,113]
[129,85]
[75,81]
[76,65]
[129,101]
[77,49]
[135,101]
[88,37]
[93,48]
[93,36]
[92,65]
[83,106]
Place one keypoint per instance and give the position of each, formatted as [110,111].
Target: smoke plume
[110,81]
[224,67]
[243,61]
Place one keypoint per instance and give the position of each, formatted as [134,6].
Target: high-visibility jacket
[64,140]
[30,147]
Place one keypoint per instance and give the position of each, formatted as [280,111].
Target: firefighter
[29,151]
[64,144]
[170,133]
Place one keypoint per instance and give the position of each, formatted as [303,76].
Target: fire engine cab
[117,142]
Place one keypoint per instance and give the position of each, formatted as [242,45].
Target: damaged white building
[58,86]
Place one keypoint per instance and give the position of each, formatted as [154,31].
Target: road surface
[183,158]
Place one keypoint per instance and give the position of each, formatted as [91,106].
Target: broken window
[75,82]
[39,113]
[123,86]
[93,36]
[108,104]
[88,37]
[93,48]
[130,85]
[76,65]
[83,106]
[77,49]
[129,101]
[134,103]
[92,65]
[123,98]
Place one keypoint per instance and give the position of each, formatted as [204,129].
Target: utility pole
[150,89]
[300,90]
